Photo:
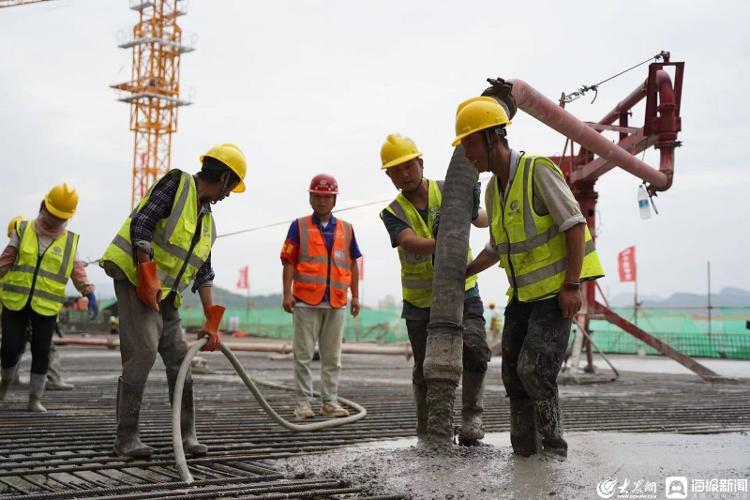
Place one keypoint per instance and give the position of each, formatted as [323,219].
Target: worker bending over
[163,247]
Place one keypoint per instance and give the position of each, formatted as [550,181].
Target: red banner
[626,264]
[243,281]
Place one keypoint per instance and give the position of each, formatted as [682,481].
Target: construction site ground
[649,425]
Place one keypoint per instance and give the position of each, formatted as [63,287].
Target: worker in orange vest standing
[320,266]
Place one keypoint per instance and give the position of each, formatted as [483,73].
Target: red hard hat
[324,184]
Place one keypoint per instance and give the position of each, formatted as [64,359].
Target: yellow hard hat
[12,224]
[231,156]
[61,201]
[397,149]
[478,113]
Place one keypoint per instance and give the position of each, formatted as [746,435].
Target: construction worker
[39,259]
[164,246]
[319,260]
[495,323]
[541,239]
[412,222]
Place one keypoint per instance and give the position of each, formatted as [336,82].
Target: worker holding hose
[412,222]
[541,239]
[163,247]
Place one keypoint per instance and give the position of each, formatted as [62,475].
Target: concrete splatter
[492,471]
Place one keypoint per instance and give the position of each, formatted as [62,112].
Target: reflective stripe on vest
[416,270]
[172,239]
[312,271]
[536,255]
[43,278]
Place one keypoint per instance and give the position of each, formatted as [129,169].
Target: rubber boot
[36,390]
[128,442]
[16,383]
[55,381]
[472,393]
[420,401]
[524,436]
[7,376]
[549,423]
[190,443]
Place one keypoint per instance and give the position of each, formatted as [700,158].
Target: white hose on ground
[179,452]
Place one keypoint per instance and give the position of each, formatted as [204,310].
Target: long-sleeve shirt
[159,206]
[79,277]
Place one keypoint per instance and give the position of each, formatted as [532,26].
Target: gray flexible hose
[179,452]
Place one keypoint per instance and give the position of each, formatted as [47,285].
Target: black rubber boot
[187,419]
[472,392]
[36,390]
[128,442]
[549,423]
[420,400]
[524,436]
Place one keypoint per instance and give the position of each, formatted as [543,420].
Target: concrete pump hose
[179,452]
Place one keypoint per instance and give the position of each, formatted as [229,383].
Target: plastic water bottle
[643,203]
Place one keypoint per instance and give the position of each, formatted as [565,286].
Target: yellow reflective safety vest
[416,270]
[181,244]
[531,247]
[39,277]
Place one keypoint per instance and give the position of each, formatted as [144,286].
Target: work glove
[149,285]
[210,328]
[93,306]
[477,197]
[501,90]
[435,225]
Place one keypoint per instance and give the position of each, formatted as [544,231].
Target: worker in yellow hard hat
[541,239]
[39,260]
[163,247]
[55,380]
[412,221]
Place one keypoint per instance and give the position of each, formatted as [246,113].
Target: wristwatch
[573,285]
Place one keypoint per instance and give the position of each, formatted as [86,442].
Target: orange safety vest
[316,266]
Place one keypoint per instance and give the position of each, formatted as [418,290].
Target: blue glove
[93,306]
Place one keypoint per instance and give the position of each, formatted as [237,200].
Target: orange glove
[210,328]
[149,285]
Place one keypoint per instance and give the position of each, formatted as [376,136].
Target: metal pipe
[625,105]
[549,113]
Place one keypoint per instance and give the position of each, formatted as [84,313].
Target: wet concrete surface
[493,472]
[674,408]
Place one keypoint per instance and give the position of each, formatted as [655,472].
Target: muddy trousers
[143,334]
[534,339]
[324,326]
[476,355]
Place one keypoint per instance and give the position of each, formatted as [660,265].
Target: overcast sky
[307,87]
